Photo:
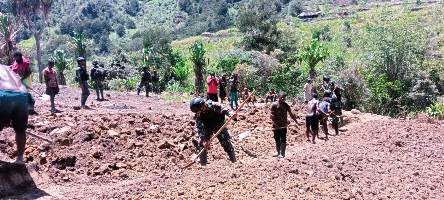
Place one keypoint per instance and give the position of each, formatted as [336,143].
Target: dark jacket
[146,76]
[81,74]
[209,122]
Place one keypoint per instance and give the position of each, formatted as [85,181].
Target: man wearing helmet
[98,76]
[82,78]
[210,118]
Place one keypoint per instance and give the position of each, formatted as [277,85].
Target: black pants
[31,102]
[280,136]
[99,90]
[85,92]
[212,97]
[224,140]
[147,88]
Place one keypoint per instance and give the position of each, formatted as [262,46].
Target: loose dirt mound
[136,151]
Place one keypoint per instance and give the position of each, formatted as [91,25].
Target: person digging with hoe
[210,117]
[52,86]
[82,78]
[279,110]
[14,108]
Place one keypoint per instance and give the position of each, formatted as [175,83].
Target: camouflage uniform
[336,108]
[208,123]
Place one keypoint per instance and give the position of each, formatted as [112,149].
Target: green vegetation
[387,58]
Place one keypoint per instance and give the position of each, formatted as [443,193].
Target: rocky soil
[132,147]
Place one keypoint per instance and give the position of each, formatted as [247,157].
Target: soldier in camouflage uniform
[210,118]
[336,106]
[98,75]
[145,82]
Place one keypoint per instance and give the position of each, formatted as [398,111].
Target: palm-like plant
[8,32]
[61,61]
[313,54]
[197,51]
[80,42]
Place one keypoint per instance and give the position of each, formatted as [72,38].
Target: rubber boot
[283,147]
[232,156]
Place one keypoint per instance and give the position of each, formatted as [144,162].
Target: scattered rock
[64,162]
[355,111]
[113,133]
[165,145]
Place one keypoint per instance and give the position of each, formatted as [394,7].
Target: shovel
[218,132]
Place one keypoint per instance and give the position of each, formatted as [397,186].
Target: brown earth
[132,147]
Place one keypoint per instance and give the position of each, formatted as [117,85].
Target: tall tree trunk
[62,79]
[37,37]
[199,79]
[312,73]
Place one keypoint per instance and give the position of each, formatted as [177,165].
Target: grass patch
[170,97]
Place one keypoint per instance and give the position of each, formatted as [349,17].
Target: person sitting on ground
[246,95]
[324,111]
[14,108]
[98,75]
[308,91]
[279,110]
[270,96]
[82,78]
[21,67]
[312,119]
[52,86]
[223,89]
[145,82]
[210,117]
[212,83]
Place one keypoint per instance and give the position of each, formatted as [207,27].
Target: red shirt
[22,69]
[50,76]
[212,84]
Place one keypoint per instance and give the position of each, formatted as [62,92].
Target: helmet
[326,78]
[80,59]
[196,104]
[95,62]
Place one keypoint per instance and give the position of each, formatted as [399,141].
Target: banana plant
[8,32]
[80,43]
[62,63]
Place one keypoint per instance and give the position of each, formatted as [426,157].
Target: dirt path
[138,153]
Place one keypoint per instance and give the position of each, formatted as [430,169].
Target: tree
[8,32]
[61,63]
[180,68]
[257,20]
[312,54]
[295,7]
[197,51]
[33,14]
[120,30]
[80,44]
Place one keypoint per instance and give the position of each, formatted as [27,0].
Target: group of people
[210,116]
[149,81]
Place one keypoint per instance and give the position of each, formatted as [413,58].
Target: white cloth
[308,89]
[9,80]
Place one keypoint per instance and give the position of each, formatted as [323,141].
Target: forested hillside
[381,53]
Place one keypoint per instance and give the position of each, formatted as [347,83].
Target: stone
[165,145]
[140,131]
[45,147]
[60,131]
[355,111]
[113,133]
[121,165]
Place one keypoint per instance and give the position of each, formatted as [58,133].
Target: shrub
[295,7]
[120,30]
[353,85]
[124,85]
[422,94]
[436,111]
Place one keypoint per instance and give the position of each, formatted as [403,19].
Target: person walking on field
[145,82]
[21,67]
[210,117]
[223,89]
[14,108]
[279,110]
[312,119]
[82,78]
[212,83]
[324,112]
[234,96]
[52,86]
